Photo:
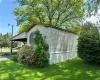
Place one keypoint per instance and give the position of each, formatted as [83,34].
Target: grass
[75,69]
[8,50]
[7,54]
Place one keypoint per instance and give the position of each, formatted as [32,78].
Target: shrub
[5,54]
[41,47]
[89,45]
[40,60]
[37,55]
[14,53]
[14,58]
[25,55]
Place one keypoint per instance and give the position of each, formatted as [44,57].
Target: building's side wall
[62,45]
[43,30]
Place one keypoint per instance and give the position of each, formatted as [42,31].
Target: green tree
[23,27]
[3,42]
[91,6]
[89,27]
[59,13]
[89,43]
[41,57]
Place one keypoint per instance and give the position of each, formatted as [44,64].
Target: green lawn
[8,50]
[75,69]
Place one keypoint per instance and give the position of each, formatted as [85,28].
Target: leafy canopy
[23,27]
[5,40]
[91,6]
[59,13]
[89,44]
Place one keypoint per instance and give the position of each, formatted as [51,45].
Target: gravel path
[3,58]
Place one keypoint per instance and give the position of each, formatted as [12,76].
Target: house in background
[20,44]
[62,44]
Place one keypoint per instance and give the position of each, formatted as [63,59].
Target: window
[31,38]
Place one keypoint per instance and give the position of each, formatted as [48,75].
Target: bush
[25,55]
[14,53]
[41,47]
[40,60]
[5,54]
[89,45]
[14,58]
[37,55]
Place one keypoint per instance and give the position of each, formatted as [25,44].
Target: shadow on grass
[75,69]
[7,53]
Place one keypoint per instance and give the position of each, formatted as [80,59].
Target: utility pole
[11,37]
[12,30]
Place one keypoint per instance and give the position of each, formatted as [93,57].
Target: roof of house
[46,25]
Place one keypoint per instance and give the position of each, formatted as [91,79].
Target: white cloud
[92,19]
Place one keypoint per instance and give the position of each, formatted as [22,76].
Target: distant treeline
[5,40]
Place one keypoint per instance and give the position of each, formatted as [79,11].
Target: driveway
[3,58]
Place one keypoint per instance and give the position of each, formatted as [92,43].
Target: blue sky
[6,16]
